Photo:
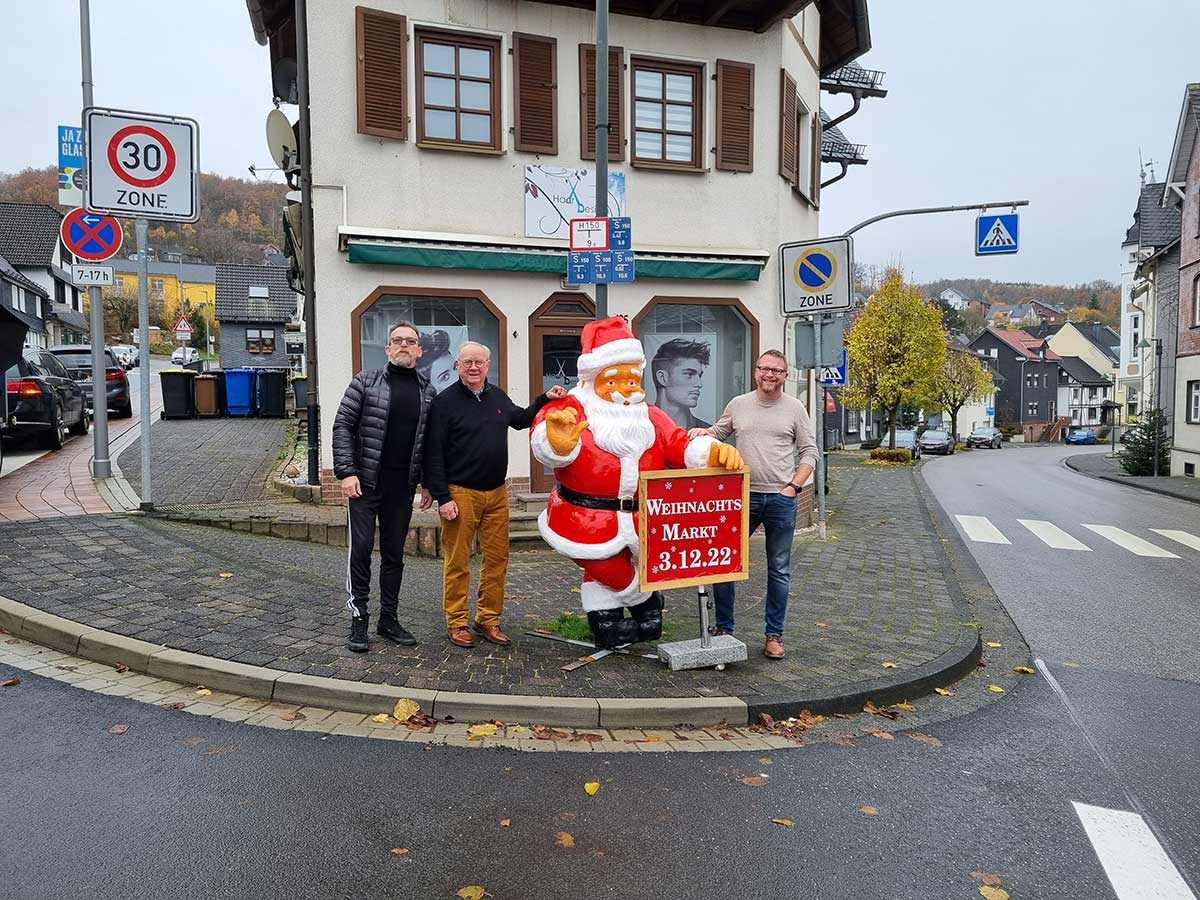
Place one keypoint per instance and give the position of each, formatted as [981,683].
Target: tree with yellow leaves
[896,349]
[963,379]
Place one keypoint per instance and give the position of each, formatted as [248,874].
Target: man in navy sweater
[466,462]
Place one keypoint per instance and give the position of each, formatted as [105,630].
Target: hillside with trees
[239,219]
[1097,300]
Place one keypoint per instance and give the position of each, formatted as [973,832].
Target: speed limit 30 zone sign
[142,165]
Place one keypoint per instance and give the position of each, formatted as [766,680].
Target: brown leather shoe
[722,632]
[461,637]
[493,633]
[774,647]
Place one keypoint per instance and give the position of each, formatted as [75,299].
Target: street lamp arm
[982,207]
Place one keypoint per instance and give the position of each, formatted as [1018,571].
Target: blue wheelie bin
[241,391]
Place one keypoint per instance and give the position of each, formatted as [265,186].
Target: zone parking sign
[142,165]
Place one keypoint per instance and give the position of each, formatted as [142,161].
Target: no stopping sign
[142,165]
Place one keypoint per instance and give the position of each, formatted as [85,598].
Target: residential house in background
[254,306]
[1083,393]
[1094,343]
[30,242]
[197,282]
[954,299]
[1028,312]
[1149,302]
[1027,390]
[27,301]
[453,144]
[1182,193]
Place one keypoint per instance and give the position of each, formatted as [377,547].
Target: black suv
[78,360]
[43,399]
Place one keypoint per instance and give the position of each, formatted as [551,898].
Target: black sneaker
[358,634]
[392,630]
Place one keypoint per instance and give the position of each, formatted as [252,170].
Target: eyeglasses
[473,363]
[771,371]
[404,341]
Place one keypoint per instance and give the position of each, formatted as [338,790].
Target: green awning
[508,259]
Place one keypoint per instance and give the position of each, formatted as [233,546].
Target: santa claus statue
[597,439]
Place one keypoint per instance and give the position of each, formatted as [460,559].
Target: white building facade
[452,142]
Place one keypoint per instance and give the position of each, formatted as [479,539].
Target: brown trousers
[484,513]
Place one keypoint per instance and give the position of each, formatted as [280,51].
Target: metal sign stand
[710,650]
[591,657]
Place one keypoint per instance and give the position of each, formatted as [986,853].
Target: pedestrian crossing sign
[996,234]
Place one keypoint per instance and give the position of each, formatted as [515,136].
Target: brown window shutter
[816,160]
[587,103]
[535,93]
[735,116]
[381,45]
[787,128]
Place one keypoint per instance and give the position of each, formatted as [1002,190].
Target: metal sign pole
[818,417]
[140,226]
[602,126]
[101,464]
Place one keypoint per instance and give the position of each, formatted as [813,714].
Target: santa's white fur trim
[624,350]
[696,454]
[595,596]
[544,453]
[625,537]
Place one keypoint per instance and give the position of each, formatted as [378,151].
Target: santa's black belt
[591,501]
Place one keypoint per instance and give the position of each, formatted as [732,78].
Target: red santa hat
[609,342]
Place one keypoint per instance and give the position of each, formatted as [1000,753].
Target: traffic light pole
[101,464]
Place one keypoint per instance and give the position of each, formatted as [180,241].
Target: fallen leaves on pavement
[121,668]
[399,851]
[755,780]
[786,823]
[564,839]
[993,893]
[506,823]
[473,892]
[993,644]
[546,733]
[821,624]
[1024,670]
[925,739]
[224,574]
[202,692]
[995,689]
[882,735]
[405,709]
[905,706]
[888,665]
[171,706]
[791,728]
[870,707]
[869,810]
[943,692]
[118,729]
[381,717]
[986,877]
[483,729]
[10,682]
[294,716]
[590,788]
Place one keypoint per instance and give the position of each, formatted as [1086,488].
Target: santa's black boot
[648,615]
[610,628]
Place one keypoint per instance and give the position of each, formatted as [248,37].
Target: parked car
[44,400]
[934,440]
[985,437]
[78,360]
[126,355]
[1081,436]
[907,440]
[184,355]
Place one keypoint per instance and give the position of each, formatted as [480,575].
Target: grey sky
[1048,100]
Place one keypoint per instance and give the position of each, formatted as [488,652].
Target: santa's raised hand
[563,430]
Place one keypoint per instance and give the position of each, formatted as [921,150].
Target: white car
[184,355]
[126,355]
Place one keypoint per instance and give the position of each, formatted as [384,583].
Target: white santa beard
[624,431]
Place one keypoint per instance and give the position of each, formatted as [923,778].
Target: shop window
[444,320]
[699,356]
[458,89]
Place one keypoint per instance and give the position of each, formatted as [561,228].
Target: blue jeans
[777,514]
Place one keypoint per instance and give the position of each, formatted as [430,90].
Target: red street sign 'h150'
[692,525]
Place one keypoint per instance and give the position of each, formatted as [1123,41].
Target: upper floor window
[668,113]
[458,89]
[1135,331]
[799,142]
[156,288]
[260,340]
[1196,302]
[1193,402]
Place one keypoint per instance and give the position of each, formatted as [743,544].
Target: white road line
[1053,536]
[980,529]
[1130,542]
[1188,540]
[1134,860]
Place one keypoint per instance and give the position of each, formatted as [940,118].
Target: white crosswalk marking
[1130,542]
[1053,536]
[1133,859]
[1188,540]
[979,528]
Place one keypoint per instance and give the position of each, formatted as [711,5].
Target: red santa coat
[585,534]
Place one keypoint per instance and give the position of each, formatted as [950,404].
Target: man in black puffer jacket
[378,439]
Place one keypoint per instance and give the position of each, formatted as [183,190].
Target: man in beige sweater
[771,428]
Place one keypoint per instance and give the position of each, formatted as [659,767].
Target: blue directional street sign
[602,266]
[620,233]
[579,267]
[835,375]
[622,266]
[997,234]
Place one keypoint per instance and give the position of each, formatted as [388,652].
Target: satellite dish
[282,141]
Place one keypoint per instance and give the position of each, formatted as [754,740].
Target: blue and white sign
[835,375]
[996,234]
[612,266]
[989,410]
[620,233]
[70,165]
[579,267]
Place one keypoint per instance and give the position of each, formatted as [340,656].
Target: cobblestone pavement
[877,593]
[203,461]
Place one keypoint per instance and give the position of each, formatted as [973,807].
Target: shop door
[555,342]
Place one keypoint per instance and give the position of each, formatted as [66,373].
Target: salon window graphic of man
[678,374]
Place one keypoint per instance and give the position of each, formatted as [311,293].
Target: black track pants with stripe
[389,502]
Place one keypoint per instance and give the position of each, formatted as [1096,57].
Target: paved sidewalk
[1100,465]
[881,591]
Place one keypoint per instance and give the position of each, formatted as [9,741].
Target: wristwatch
[795,487]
